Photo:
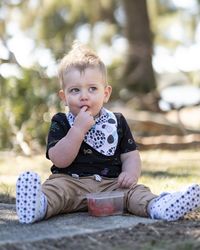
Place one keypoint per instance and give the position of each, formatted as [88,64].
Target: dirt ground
[180,235]
[184,234]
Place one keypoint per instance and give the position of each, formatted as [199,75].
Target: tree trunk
[138,73]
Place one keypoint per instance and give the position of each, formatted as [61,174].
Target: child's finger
[121,180]
[84,108]
[124,182]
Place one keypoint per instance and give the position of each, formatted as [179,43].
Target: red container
[105,203]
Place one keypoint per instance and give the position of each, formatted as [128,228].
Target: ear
[62,96]
[107,93]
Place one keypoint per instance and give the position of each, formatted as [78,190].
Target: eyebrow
[78,84]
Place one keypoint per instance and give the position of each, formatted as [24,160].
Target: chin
[74,113]
[96,115]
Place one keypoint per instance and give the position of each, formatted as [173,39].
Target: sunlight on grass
[168,170]
[162,170]
[12,165]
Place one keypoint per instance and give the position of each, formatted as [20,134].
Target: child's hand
[125,180]
[84,120]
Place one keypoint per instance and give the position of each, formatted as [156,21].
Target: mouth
[85,106]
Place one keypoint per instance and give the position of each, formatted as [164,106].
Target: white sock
[173,206]
[31,203]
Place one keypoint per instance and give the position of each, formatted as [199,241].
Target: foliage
[29,98]
[25,103]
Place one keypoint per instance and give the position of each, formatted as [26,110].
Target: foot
[173,206]
[31,203]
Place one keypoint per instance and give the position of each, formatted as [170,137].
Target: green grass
[12,165]
[162,170]
[168,170]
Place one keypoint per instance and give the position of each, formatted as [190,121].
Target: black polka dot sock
[31,203]
[173,206]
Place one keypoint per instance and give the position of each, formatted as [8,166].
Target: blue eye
[92,89]
[74,90]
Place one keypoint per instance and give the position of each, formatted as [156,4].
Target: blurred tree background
[140,42]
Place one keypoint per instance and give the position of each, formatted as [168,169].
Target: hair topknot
[80,57]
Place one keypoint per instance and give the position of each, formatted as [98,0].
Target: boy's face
[87,88]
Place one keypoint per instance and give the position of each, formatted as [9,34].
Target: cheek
[71,100]
[98,99]
[100,96]
[103,98]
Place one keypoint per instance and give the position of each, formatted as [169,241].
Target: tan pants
[66,194]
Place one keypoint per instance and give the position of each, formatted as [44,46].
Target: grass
[12,165]
[163,170]
[169,170]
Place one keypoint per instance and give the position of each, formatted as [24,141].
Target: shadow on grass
[6,198]
[159,174]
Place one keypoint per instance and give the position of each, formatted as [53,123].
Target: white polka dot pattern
[103,136]
[31,203]
[173,206]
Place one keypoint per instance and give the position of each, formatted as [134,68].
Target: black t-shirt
[89,161]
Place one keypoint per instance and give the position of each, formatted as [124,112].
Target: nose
[84,95]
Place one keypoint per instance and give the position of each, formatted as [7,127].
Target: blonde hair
[80,57]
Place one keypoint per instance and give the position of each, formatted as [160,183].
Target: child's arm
[66,150]
[131,169]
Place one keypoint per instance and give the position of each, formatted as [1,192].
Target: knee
[137,200]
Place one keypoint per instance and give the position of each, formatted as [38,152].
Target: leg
[137,199]
[173,206]
[66,194]
[31,203]
[59,194]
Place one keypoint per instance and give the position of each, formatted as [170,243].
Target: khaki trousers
[66,194]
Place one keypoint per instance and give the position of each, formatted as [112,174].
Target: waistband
[75,175]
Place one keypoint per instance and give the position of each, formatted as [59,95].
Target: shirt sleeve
[58,129]
[127,143]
